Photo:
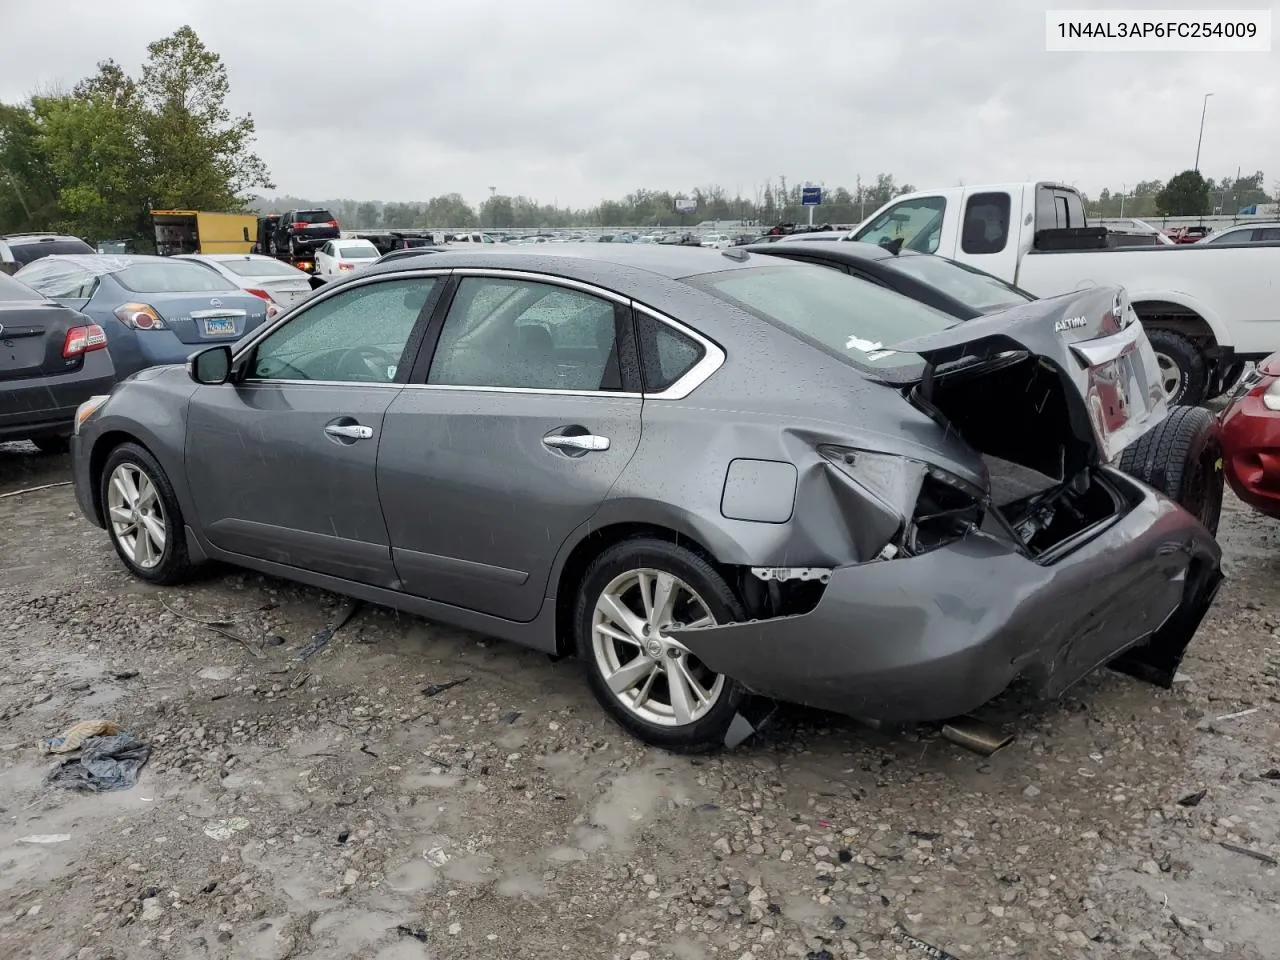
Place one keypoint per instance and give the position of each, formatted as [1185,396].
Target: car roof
[670,261]
[37,237]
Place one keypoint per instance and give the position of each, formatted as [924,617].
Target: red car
[1251,437]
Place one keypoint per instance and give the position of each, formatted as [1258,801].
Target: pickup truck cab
[1207,308]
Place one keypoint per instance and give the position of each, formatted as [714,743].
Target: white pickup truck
[1207,308]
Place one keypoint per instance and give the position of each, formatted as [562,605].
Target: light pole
[493,213]
[1203,107]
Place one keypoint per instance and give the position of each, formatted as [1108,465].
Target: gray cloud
[577,100]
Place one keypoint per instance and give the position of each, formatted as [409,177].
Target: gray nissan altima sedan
[719,478]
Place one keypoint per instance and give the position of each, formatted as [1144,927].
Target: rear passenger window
[666,354]
[1267,235]
[523,335]
[986,223]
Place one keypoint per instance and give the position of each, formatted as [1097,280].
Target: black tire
[1182,458]
[174,565]
[707,732]
[1193,374]
[52,445]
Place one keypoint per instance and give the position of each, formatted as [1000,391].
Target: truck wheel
[1182,458]
[1183,372]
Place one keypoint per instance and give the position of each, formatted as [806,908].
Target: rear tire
[1184,373]
[1182,458]
[142,516]
[52,446]
[665,696]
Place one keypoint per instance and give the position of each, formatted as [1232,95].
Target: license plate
[219,327]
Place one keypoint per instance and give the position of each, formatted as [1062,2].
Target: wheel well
[591,546]
[1162,315]
[98,459]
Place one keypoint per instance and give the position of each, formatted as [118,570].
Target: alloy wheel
[652,675]
[1170,376]
[136,515]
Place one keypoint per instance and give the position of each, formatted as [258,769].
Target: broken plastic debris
[1258,855]
[1192,799]
[431,689]
[928,949]
[320,639]
[225,829]
[418,933]
[75,735]
[46,838]
[1238,714]
[104,764]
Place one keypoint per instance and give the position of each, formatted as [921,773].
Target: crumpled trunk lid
[1059,384]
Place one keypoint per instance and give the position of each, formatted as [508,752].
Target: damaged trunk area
[1024,418]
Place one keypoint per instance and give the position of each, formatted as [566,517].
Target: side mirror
[211,367]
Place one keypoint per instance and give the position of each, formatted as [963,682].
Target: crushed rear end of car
[1041,561]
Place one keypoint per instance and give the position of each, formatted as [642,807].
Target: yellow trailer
[197,231]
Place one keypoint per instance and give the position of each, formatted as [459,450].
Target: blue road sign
[811,196]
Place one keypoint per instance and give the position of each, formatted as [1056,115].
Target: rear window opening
[30,251]
[313,216]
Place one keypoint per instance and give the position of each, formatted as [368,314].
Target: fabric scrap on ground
[105,764]
[75,735]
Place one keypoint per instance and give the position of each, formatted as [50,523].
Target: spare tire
[1183,373]
[1182,458]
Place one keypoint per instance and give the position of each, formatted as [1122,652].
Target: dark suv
[305,231]
[19,249]
[52,359]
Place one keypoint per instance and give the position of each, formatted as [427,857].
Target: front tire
[1182,458]
[143,517]
[650,684]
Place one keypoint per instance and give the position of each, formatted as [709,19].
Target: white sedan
[339,257]
[273,280]
[717,241]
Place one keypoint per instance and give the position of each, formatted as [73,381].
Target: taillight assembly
[139,316]
[346,266]
[331,223]
[299,225]
[82,340]
[261,294]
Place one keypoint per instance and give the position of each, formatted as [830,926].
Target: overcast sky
[579,100]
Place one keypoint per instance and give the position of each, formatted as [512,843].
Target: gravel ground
[330,808]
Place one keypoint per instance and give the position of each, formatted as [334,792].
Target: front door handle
[349,431]
[582,442]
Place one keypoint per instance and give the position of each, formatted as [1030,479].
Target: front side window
[357,336]
[527,335]
[837,313]
[916,222]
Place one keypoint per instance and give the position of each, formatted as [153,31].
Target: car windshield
[261,268]
[171,276]
[313,216]
[848,318]
[358,252]
[973,288]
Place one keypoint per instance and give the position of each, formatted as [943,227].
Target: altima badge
[1068,323]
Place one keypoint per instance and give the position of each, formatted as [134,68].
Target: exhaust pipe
[973,734]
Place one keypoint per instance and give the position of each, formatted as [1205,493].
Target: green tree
[1186,195]
[198,154]
[28,188]
[449,210]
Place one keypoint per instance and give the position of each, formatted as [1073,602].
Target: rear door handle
[580,442]
[354,431]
